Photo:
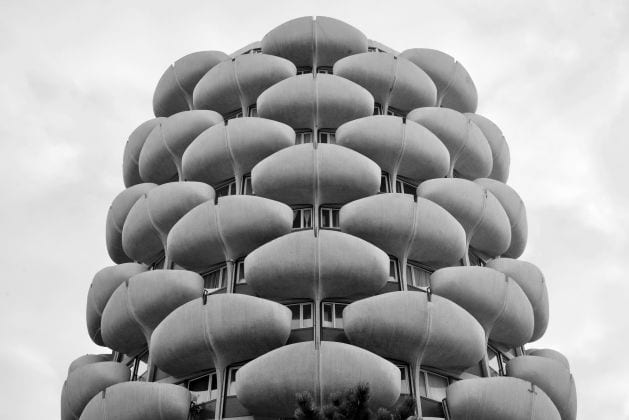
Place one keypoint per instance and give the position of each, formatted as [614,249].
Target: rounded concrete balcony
[408,326]
[86,381]
[499,398]
[88,359]
[418,230]
[213,233]
[500,154]
[551,354]
[105,282]
[174,90]
[119,328]
[485,221]
[328,174]
[236,84]
[455,88]
[227,329]
[470,154]
[116,217]
[160,158]
[495,300]
[302,265]
[139,401]
[153,215]
[231,150]
[392,81]
[311,42]
[400,147]
[131,156]
[268,384]
[532,282]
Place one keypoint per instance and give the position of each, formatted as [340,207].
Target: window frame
[247,185]
[302,218]
[394,265]
[239,272]
[334,214]
[402,183]
[417,266]
[231,186]
[303,70]
[223,279]
[423,374]
[211,374]
[333,311]
[385,180]
[302,319]
[134,365]
[329,134]
[304,136]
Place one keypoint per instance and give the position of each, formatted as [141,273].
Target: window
[226,188]
[302,315]
[203,388]
[233,407]
[377,109]
[475,259]
[239,277]
[253,111]
[247,188]
[418,275]
[372,49]
[303,136]
[394,112]
[215,279]
[404,186]
[394,270]
[254,51]
[405,377]
[139,367]
[497,362]
[329,218]
[237,113]
[304,70]
[327,136]
[231,381]
[302,218]
[333,315]
[158,264]
[384,182]
[324,70]
[432,385]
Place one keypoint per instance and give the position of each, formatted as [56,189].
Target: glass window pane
[338,315]
[307,218]
[199,389]
[296,219]
[246,186]
[393,276]
[307,315]
[437,385]
[231,386]
[409,274]
[296,316]
[240,272]
[213,387]
[335,218]
[325,218]
[327,316]
[405,386]
[422,384]
[494,365]
[384,183]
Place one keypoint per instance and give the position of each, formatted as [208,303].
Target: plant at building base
[351,404]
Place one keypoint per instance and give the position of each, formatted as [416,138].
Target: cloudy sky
[78,76]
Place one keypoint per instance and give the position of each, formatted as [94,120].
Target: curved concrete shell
[131,156]
[119,329]
[153,215]
[268,384]
[418,230]
[237,83]
[88,359]
[228,328]
[412,327]
[551,354]
[500,154]
[105,282]
[312,42]
[86,381]
[485,221]
[213,233]
[160,158]
[231,150]
[455,88]
[514,206]
[470,154]
[328,174]
[532,282]
[552,377]
[174,90]
[495,300]
[499,398]
[400,147]
[139,401]
[393,81]
[315,101]
[302,265]
[116,217]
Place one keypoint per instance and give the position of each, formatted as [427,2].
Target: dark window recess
[237,113]
[226,188]
[304,70]
[302,218]
[394,270]
[239,276]
[377,109]
[497,362]
[247,188]
[404,186]
[253,111]
[139,367]
[329,218]
[158,264]
[303,136]
[301,315]
[418,275]
[395,112]
[384,182]
[332,315]
[233,407]
[405,378]
[432,385]
[475,259]
[326,136]
[324,70]
[255,51]
[215,279]
[204,392]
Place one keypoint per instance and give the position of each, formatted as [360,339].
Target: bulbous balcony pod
[402,148]
[552,377]
[314,43]
[499,398]
[153,215]
[485,221]
[551,354]
[88,359]
[174,90]
[105,282]
[139,401]
[160,157]
[233,86]
[131,156]
[393,81]
[455,88]
[532,282]
[470,154]
[500,154]
[85,381]
[268,384]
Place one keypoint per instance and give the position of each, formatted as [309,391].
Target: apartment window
[203,388]
[475,259]
[247,188]
[418,275]
[233,407]
[326,136]
[231,381]
[253,111]
[332,315]
[255,51]
[405,378]
[404,186]
[226,188]
[158,264]
[377,109]
[372,49]
[302,315]
[394,112]
[215,279]
[303,136]
[302,218]
[394,270]
[324,70]
[329,218]
[432,385]
[237,113]
[239,269]
[139,366]
[497,362]
[384,182]
[304,70]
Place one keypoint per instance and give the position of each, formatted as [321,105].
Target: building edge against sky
[314,211]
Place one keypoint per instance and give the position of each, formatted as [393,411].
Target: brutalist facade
[314,211]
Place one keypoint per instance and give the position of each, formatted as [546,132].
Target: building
[314,211]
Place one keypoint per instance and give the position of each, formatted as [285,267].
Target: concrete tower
[314,211]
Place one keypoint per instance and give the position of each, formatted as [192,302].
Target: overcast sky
[78,76]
